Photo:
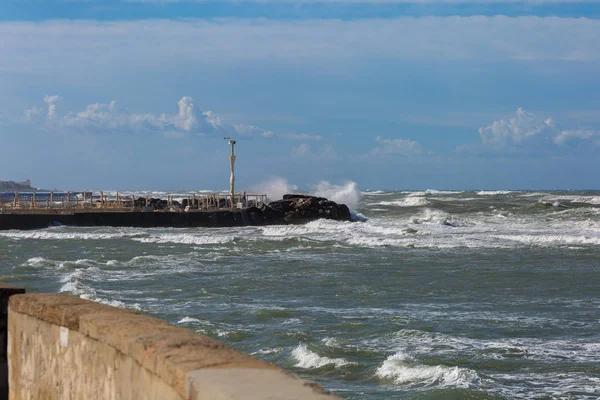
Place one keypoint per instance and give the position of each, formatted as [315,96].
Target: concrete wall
[63,347]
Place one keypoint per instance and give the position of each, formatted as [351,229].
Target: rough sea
[437,295]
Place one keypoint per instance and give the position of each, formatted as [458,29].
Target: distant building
[12,186]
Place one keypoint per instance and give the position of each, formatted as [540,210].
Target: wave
[374,192]
[50,235]
[434,191]
[549,240]
[404,370]
[186,238]
[309,359]
[438,344]
[410,201]
[493,192]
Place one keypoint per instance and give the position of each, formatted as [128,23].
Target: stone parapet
[64,347]
[5,292]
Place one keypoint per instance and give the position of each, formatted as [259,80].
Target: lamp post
[232,177]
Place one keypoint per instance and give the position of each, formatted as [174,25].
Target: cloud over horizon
[101,118]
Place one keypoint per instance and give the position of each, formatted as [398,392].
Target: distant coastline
[13,186]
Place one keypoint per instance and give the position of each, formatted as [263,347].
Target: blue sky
[391,94]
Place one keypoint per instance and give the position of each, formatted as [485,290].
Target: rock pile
[299,209]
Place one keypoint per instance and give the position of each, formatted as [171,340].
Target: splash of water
[275,188]
[348,193]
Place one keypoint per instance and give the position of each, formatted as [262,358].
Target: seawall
[64,347]
[216,218]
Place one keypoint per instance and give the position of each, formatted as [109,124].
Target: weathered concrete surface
[63,347]
[5,292]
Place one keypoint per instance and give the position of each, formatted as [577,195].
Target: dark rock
[299,208]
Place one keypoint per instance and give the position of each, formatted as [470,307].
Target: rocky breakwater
[299,209]
[292,209]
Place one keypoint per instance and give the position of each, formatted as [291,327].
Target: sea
[435,294]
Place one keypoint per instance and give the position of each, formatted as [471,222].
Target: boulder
[300,208]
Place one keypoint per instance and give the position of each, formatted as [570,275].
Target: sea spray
[348,193]
[275,187]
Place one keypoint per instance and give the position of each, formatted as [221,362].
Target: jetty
[38,209]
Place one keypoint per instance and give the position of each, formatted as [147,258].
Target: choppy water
[439,295]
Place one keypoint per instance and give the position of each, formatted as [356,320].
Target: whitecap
[404,370]
[186,239]
[309,359]
[493,192]
[409,201]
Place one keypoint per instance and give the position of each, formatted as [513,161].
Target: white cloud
[103,118]
[301,150]
[528,129]
[51,101]
[87,49]
[395,146]
[523,126]
[568,136]
[32,113]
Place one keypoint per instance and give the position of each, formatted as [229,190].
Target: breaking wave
[309,359]
[404,370]
[411,201]
[493,192]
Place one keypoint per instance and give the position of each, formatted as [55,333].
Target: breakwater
[64,347]
[292,209]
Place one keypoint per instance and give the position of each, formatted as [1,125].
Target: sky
[390,94]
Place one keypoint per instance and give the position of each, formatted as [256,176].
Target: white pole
[232,177]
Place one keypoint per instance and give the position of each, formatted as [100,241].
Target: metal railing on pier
[76,202]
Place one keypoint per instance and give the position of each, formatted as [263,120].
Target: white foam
[374,193]
[493,192]
[309,359]
[330,342]
[48,234]
[186,320]
[434,191]
[404,370]
[409,201]
[186,238]
[549,240]
[347,194]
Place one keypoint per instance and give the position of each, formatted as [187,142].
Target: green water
[439,295]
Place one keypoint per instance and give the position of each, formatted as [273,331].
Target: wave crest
[309,359]
[403,370]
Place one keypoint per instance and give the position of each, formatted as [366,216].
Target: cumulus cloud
[568,136]
[395,146]
[51,101]
[102,118]
[189,120]
[529,129]
[301,150]
[523,126]
[32,113]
